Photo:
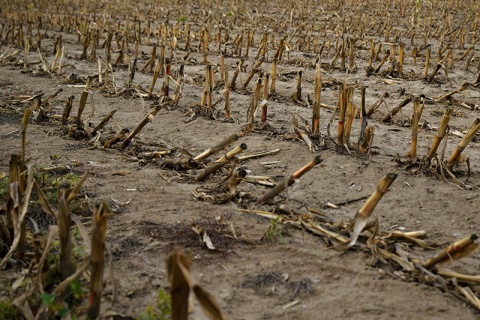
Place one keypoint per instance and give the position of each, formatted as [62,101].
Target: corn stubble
[207,33]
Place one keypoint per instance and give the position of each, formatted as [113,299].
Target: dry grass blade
[52,234]
[81,267]
[468,293]
[258,155]
[410,237]
[459,276]
[406,265]
[99,228]
[178,266]
[23,201]
[64,224]
[317,229]
[208,303]
[76,189]
[23,130]
[366,210]
[44,202]
[83,233]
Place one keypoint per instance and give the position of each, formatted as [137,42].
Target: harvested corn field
[239,160]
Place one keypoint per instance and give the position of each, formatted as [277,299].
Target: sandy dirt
[296,275]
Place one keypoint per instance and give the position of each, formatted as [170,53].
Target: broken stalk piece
[366,210]
[103,122]
[457,250]
[395,110]
[342,106]
[142,124]
[211,169]
[350,115]
[232,153]
[316,103]
[290,180]
[455,156]
[229,140]
[417,113]
[366,131]
[99,228]
[440,134]
[377,104]
[83,101]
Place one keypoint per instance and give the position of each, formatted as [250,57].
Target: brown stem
[103,122]
[463,143]
[458,249]
[440,134]
[290,180]
[67,110]
[99,228]
[317,101]
[395,110]
[83,101]
[220,146]
[142,124]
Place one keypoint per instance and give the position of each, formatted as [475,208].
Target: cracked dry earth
[296,275]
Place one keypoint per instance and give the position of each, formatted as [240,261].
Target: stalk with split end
[366,210]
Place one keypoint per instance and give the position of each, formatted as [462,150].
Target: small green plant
[55,157]
[7,311]
[182,18]
[275,230]
[163,310]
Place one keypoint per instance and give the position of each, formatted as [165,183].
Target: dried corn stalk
[99,228]
[361,218]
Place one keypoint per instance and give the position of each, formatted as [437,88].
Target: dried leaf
[208,303]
